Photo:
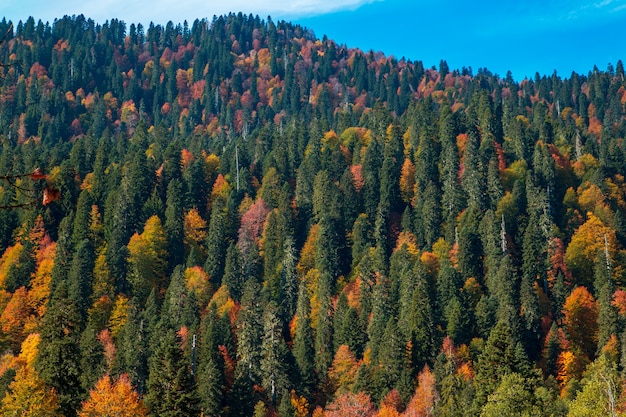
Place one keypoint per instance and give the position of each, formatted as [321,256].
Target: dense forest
[237,218]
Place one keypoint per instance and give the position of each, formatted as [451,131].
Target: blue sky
[523,37]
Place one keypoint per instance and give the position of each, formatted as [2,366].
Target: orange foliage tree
[580,312]
[570,367]
[13,319]
[113,399]
[390,405]
[351,405]
[423,402]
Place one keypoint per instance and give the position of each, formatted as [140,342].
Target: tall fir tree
[58,358]
[171,388]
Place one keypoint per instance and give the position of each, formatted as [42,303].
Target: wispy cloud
[592,11]
[161,11]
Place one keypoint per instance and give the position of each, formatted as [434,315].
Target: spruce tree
[58,359]
[217,242]
[171,388]
[174,223]
[249,332]
[303,343]
[274,365]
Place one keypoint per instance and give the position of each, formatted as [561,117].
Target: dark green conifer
[171,388]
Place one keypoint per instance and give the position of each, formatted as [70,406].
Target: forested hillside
[235,218]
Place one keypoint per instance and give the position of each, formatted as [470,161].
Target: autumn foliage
[113,398]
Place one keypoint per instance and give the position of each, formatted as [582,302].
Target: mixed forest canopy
[255,221]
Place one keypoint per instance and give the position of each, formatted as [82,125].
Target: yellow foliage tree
[119,315]
[195,227]
[307,255]
[27,395]
[407,181]
[113,399]
[223,302]
[343,372]
[9,259]
[300,405]
[198,281]
[390,405]
[40,282]
[587,242]
[148,257]
[103,283]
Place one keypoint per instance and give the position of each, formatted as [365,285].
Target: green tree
[174,223]
[303,343]
[392,358]
[171,389]
[92,362]
[233,272]
[470,247]
[210,388]
[132,355]
[217,242]
[179,304]
[80,278]
[241,398]
[289,281]
[274,364]
[599,394]
[503,354]
[58,358]
[250,332]
[323,334]
[519,396]
[607,314]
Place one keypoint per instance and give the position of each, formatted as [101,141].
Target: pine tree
[174,224]
[179,307]
[241,397]
[132,355]
[217,242]
[171,389]
[381,314]
[249,332]
[290,281]
[274,366]
[82,217]
[392,358]
[80,278]
[233,277]
[59,353]
[323,334]
[92,360]
[210,388]
[607,314]
[470,247]
[303,343]
[502,355]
